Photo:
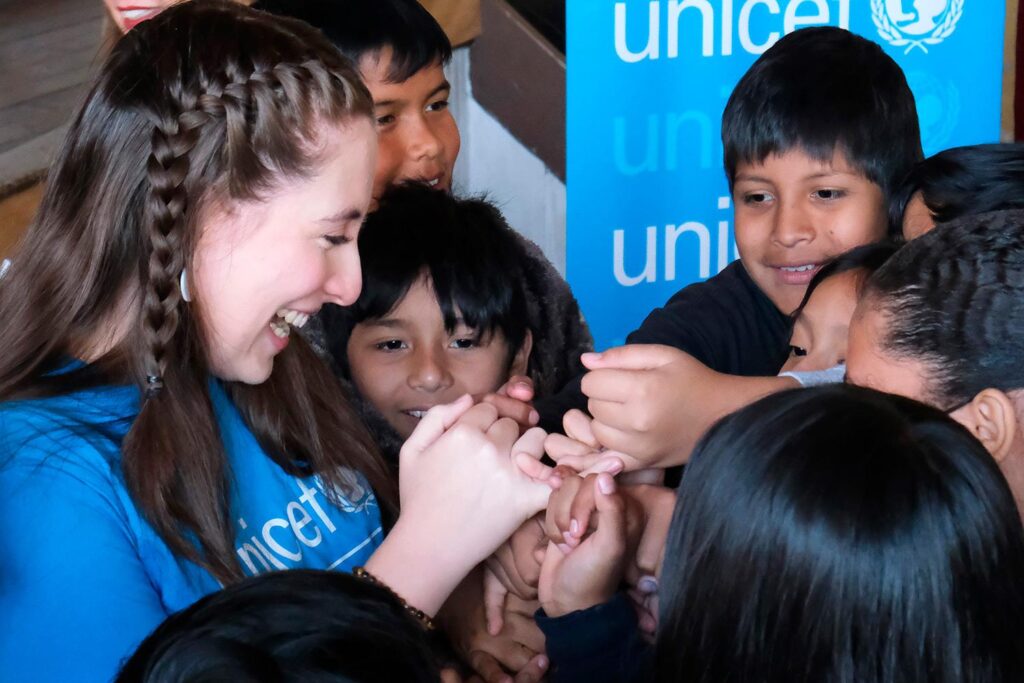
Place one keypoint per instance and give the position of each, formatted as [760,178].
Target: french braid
[208,103]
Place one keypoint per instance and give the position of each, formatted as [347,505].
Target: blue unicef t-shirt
[84,578]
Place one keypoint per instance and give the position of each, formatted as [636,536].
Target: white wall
[494,163]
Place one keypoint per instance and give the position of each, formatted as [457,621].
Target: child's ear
[521,361]
[992,417]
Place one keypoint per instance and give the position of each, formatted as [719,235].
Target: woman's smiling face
[263,267]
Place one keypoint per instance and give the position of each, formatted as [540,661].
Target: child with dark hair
[301,625]
[957,182]
[816,135]
[452,303]
[943,322]
[824,534]
[400,51]
[821,323]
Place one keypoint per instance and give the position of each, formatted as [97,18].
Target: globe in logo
[916,23]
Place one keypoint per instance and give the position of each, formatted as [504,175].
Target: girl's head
[299,625]
[958,182]
[821,323]
[943,322]
[838,534]
[443,310]
[214,180]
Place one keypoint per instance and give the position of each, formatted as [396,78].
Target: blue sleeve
[75,598]
[596,645]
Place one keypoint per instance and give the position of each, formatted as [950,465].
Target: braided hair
[953,299]
[206,104]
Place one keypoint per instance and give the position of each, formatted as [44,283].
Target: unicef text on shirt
[668,23]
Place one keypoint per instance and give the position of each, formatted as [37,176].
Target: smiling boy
[401,52]
[816,135]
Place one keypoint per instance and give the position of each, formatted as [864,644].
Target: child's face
[406,362]
[794,213]
[418,136]
[820,332]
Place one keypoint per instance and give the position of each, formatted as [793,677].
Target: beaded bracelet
[418,614]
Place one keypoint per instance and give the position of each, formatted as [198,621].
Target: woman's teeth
[285,320]
[415,413]
[293,318]
[798,269]
[280,329]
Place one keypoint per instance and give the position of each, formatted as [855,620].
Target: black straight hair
[962,181]
[361,28]
[823,90]
[953,299]
[867,257]
[472,257]
[844,535]
[300,625]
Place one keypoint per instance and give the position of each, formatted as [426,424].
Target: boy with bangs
[451,304]
[816,134]
[400,51]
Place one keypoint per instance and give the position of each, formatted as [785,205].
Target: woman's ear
[521,361]
[992,418]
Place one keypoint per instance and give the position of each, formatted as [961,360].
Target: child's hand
[578,578]
[650,401]
[513,569]
[580,450]
[514,400]
[518,647]
[516,652]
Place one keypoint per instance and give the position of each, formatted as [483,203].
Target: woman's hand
[462,493]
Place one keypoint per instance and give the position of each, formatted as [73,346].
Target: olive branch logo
[891,33]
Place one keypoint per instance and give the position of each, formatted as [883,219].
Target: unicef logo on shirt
[916,23]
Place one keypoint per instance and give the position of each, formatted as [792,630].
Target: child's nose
[422,142]
[793,224]
[429,372]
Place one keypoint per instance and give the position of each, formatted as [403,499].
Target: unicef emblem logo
[916,23]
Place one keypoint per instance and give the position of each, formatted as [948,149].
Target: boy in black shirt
[816,134]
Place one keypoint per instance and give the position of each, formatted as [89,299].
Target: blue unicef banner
[648,205]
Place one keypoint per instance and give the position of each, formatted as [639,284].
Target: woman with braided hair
[162,431]
[943,322]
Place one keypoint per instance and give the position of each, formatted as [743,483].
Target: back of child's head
[823,90]
[840,534]
[473,259]
[365,28]
[962,181]
[953,300]
[300,625]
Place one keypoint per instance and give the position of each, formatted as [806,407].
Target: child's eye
[440,105]
[390,345]
[463,343]
[755,198]
[829,194]
[385,120]
[797,351]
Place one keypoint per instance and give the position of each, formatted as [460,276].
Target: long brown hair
[208,102]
